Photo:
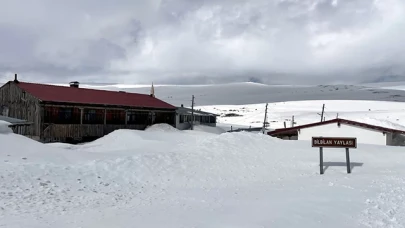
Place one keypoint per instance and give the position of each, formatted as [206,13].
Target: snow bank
[194,179]
[162,128]
[17,148]
[4,127]
[208,129]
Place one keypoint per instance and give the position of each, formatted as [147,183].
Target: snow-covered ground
[163,177]
[380,113]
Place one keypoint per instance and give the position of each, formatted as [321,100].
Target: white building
[365,133]
[184,118]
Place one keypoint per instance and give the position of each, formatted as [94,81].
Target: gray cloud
[204,41]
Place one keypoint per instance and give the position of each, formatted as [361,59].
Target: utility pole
[192,112]
[292,121]
[323,110]
[265,118]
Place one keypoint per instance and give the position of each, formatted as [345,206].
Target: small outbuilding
[184,118]
[17,125]
[365,133]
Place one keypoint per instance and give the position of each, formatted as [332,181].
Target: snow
[253,93]
[162,177]
[379,113]
[363,135]
[209,129]
[4,127]
[162,128]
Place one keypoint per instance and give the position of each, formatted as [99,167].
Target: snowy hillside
[380,113]
[253,93]
[162,177]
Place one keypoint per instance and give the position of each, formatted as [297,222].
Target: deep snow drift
[168,178]
[4,127]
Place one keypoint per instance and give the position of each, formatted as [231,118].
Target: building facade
[70,113]
[184,118]
[365,133]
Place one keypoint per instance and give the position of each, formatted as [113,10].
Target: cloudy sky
[202,41]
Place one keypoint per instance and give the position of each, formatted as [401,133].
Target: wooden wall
[60,132]
[23,106]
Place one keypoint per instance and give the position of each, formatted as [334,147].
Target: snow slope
[168,178]
[253,93]
[380,113]
[4,129]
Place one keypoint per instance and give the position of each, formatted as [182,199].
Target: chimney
[152,91]
[15,78]
[74,84]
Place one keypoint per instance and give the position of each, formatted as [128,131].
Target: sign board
[334,142]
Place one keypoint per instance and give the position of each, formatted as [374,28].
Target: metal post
[81,115]
[348,160]
[192,113]
[321,160]
[265,119]
[323,110]
[292,121]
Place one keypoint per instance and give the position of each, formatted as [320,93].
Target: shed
[18,126]
[365,133]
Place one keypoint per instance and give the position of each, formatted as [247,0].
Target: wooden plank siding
[87,121]
[61,132]
[21,105]
[54,122]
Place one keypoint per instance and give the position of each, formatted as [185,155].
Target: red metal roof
[64,94]
[338,120]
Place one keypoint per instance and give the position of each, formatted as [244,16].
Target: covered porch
[74,123]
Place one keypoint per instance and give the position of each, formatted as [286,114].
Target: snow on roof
[13,121]
[4,127]
[338,121]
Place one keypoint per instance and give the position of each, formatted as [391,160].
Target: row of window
[201,119]
[59,115]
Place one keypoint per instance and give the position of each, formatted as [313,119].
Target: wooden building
[70,113]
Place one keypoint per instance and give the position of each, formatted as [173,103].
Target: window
[137,118]
[61,115]
[93,116]
[165,117]
[115,117]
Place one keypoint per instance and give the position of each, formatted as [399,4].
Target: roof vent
[74,84]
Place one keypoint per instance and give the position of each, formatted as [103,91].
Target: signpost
[334,142]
